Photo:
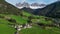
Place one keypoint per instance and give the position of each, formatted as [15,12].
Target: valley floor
[7,23]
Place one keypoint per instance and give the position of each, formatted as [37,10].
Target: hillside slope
[52,10]
[8,8]
[10,17]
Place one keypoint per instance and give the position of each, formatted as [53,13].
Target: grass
[26,14]
[3,21]
[5,29]
[41,20]
[39,30]
[20,20]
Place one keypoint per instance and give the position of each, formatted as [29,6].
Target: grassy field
[39,30]
[18,19]
[9,11]
[5,29]
[22,20]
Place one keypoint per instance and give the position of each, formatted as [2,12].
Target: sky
[31,1]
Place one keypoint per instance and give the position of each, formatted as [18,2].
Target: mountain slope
[52,10]
[6,21]
[8,8]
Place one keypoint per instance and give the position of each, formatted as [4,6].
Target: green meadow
[6,29]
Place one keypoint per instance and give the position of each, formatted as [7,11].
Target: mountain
[32,6]
[32,11]
[52,10]
[25,4]
[37,6]
[7,8]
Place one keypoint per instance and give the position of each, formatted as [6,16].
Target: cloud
[31,1]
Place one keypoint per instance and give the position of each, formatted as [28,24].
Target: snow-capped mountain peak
[32,6]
